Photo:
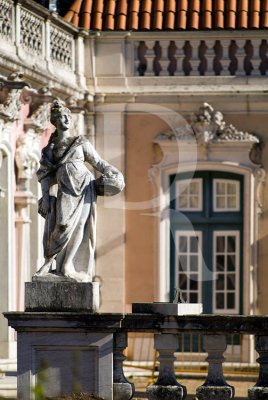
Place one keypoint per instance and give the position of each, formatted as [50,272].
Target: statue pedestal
[61,353]
[43,295]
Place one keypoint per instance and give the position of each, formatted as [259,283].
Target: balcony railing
[40,41]
[202,54]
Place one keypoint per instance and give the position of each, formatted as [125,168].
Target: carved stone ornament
[10,92]
[208,126]
[40,103]
[25,155]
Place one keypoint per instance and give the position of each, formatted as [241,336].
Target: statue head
[60,116]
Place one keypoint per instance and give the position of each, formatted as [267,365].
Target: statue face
[63,122]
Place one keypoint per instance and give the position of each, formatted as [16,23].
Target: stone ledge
[62,296]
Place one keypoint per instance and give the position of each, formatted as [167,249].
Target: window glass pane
[193,244]
[220,202]
[220,188]
[193,282]
[183,263]
[220,246]
[189,194]
[193,263]
[183,282]
[231,263]
[183,201]
[184,296]
[182,188]
[193,297]
[231,241]
[220,301]
[220,263]
[231,188]
[231,202]
[183,244]
[194,202]
[231,282]
[230,300]
[194,188]
[220,282]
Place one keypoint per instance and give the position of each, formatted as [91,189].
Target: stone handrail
[166,329]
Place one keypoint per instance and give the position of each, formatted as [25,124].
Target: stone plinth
[167,308]
[214,393]
[157,392]
[258,393]
[64,353]
[61,296]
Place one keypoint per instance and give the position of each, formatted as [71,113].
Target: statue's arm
[93,158]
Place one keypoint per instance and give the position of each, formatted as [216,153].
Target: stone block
[159,392]
[61,296]
[123,390]
[214,393]
[258,393]
[167,308]
[63,363]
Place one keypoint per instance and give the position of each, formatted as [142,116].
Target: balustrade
[202,56]
[214,329]
[39,39]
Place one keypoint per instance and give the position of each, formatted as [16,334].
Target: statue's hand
[44,206]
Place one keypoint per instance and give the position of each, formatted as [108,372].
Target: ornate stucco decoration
[209,133]
[39,103]
[25,156]
[10,92]
[208,126]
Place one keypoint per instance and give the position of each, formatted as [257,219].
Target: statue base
[42,295]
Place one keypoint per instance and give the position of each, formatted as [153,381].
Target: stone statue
[68,203]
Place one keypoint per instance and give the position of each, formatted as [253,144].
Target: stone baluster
[225,60]
[256,57]
[180,57]
[215,386]
[260,390]
[122,388]
[210,54]
[240,55]
[150,56]
[166,387]
[195,61]
[164,57]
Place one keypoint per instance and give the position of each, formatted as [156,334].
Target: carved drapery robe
[72,214]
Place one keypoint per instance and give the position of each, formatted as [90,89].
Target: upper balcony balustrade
[40,43]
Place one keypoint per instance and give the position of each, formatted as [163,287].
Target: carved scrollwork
[208,126]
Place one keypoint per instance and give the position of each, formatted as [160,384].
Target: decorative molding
[25,156]
[10,92]
[39,102]
[208,126]
[2,190]
[260,177]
